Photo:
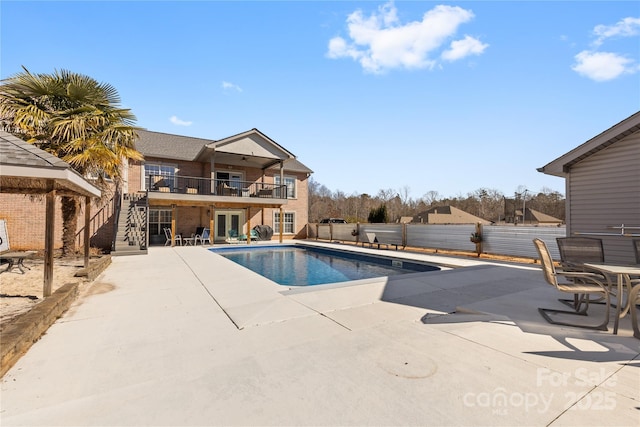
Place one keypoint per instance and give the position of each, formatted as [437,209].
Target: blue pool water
[296,266]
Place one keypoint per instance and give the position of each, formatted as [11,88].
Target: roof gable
[448,215]
[251,143]
[562,165]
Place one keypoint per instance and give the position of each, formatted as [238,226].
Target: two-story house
[228,186]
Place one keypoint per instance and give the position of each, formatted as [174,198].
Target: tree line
[489,204]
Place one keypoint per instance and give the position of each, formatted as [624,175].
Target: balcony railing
[214,187]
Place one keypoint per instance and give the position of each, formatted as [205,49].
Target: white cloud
[176,121]
[231,86]
[462,48]
[627,27]
[380,42]
[602,66]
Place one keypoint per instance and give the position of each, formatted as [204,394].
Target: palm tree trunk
[69,225]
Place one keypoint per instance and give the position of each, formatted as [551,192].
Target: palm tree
[75,118]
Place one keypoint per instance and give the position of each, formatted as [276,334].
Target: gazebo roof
[26,169]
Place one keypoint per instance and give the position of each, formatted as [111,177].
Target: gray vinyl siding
[604,190]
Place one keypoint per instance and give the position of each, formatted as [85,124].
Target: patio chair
[578,283]
[634,295]
[167,234]
[254,236]
[574,253]
[202,235]
[634,299]
[232,237]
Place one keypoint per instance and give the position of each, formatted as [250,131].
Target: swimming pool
[293,265]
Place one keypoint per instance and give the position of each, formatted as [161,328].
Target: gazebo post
[87,220]
[49,238]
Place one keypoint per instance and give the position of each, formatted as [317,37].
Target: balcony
[189,185]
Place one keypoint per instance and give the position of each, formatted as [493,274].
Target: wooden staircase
[131,235]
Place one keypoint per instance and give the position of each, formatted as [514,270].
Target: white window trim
[276,178]
[293,225]
[143,176]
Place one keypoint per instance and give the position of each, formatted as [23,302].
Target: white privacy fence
[497,240]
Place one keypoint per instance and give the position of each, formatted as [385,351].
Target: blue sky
[431,96]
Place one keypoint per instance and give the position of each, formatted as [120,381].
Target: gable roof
[448,215]
[26,169]
[561,166]
[537,216]
[253,143]
[255,148]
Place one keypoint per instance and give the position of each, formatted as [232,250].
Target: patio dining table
[623,274]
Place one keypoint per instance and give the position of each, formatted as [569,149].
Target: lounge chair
[167,234]
[578,283]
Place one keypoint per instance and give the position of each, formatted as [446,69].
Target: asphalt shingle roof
[177,147]
[14,151]
[167,146]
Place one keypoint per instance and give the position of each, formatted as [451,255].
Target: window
[289,220]
[159,175]
[290,182]
[158,220]
[232,179]
[96,175]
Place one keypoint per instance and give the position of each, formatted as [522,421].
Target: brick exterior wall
[25,218]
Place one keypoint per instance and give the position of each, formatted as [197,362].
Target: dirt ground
[19,292]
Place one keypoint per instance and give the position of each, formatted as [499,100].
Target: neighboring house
[447,215]
[232,184]
[534,217]
[602,180]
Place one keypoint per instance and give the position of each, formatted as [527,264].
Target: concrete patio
[185,337]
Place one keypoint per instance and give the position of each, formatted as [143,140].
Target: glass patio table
[623,274]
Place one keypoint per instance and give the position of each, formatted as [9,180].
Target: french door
[227,221]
